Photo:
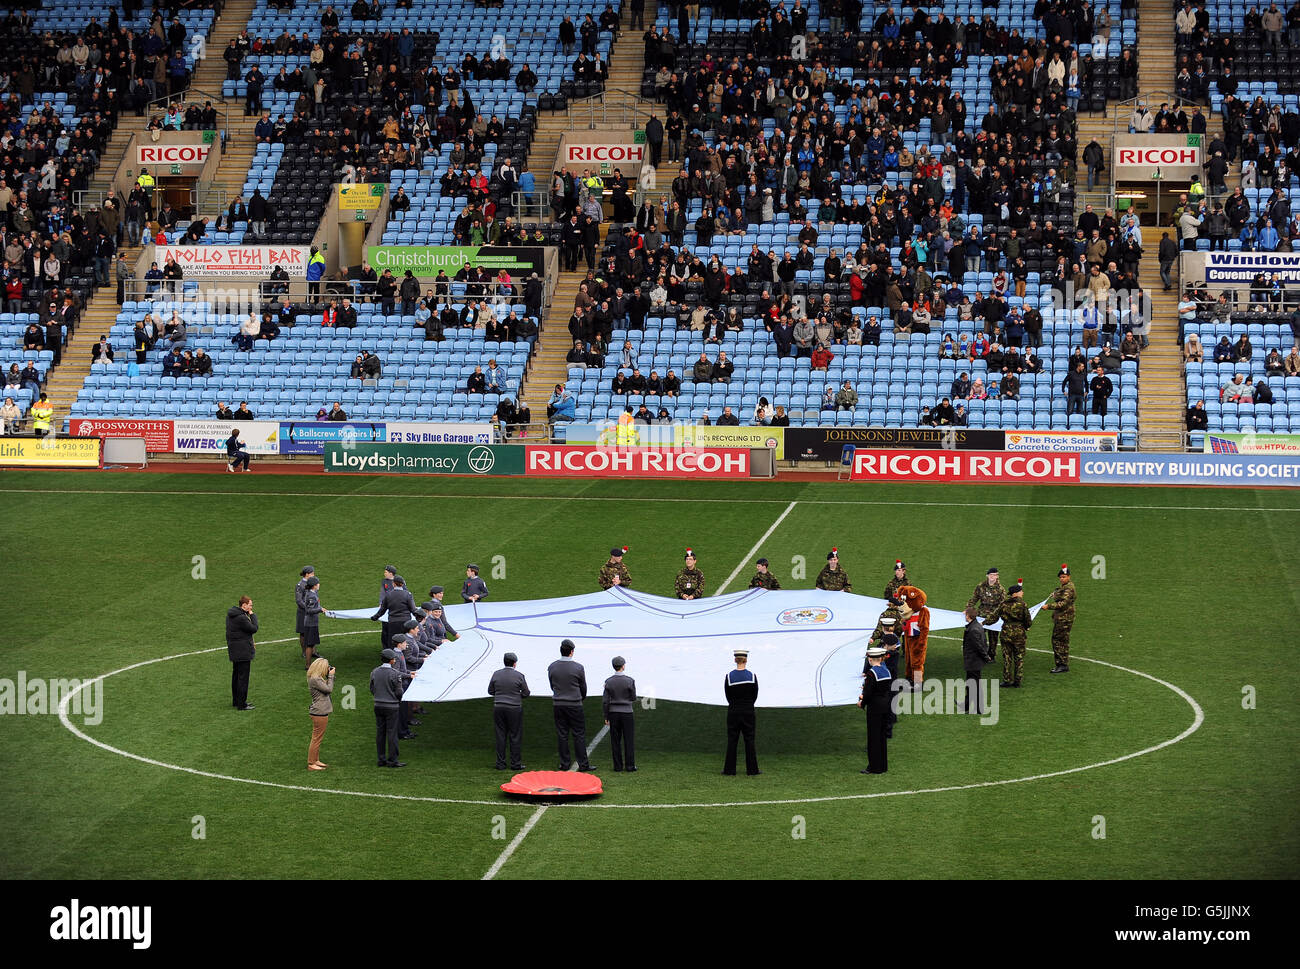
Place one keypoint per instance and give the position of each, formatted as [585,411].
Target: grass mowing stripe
[537,816]
[689,501]
[766,535]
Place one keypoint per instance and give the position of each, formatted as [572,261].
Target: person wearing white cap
[875,700]
[741,688]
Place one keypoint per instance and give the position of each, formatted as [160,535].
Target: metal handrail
[195,95]
[613,106]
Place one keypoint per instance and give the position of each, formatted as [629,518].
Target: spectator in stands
[1193,352]
[821,358]
[1263,393]
[846,398]
[1232,389]
[173,363]
[10,417]
[1074,386]
[723,369]
[201,364]
[1242,349]
[1197,419]
[561,406]
[728,419]
[702,373]
[1129,347]
[477,383]
[34,337]
[103,351]
[1224,352]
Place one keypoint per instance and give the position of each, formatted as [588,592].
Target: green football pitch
[1168,751]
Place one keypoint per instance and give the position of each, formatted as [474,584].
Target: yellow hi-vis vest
[42,414]
[145,181]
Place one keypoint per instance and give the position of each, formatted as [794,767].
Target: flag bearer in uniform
[614,572]
[832,577]
[690,580]
[741,688]
[1015,632]
[876,698]
[1061,602]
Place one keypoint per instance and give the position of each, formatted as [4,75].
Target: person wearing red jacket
[331,315]
[821,357]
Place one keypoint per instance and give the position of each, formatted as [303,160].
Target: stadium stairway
[1162,393]
[240,143]
[626,63]
[553,341]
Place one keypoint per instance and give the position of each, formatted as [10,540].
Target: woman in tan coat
[320,679]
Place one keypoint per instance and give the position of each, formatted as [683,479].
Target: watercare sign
[361,198]
[209,437]
[236,260]
[310,437]
[424,459]
[193,155]
[985,467]
[1242,267]
[1058,441]
[157,434]
[1138,157]
[640,462]
[406,433]
[1194,469]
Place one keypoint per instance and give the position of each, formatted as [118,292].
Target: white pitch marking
[757,545]
[67,700]
[244,495]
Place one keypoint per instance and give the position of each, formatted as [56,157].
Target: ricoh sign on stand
[1177,158]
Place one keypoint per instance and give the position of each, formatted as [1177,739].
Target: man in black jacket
[974,654]
[241,624]
[1101,388]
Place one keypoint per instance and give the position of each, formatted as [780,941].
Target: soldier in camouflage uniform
[898,581]
[1015,632]
[763,579]
[986,600]
[614,572]
[1061,602]
[832,577]
[690,580]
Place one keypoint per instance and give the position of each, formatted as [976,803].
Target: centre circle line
[1198,719]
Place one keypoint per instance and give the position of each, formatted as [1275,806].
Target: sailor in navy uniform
[741,686]
[877,694]
[385,587]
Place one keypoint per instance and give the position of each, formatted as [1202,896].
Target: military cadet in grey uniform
[437,594]
[473,588]
[399,605]
[763,578]
[301,601]
[387,687]
[386,629]
[568,690]
[614,572]
[508,689]
[690,580]
[741,688]
[616,703]
[311,611]
[832,577]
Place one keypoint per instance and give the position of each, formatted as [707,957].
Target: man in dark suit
[616,703]
[568,690]
[974,654]
[241,624]
[387,687]
[508,689]
[741,688]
